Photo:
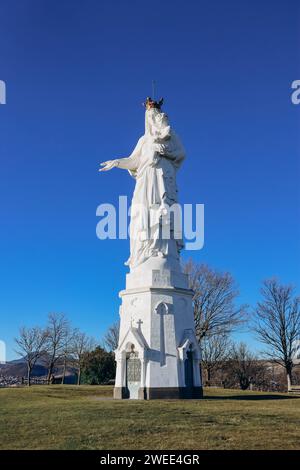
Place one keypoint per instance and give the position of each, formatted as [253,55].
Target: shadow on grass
[251,397]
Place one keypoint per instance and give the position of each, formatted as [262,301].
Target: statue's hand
[108,165]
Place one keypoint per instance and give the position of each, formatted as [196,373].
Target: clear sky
[76,73]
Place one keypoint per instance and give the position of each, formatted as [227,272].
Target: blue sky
[76,74]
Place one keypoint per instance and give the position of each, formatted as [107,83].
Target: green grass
[70,417]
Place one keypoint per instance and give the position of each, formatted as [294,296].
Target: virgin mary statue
[153,163]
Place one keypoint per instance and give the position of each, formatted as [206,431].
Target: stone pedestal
[158,354]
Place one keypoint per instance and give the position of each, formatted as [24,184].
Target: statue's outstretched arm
[128,163]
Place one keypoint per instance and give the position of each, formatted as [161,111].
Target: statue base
[158,356]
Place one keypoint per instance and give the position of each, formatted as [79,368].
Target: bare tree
[57,332]
[215,351]
[214,299]
[111,337]
[277,324]
[81,344]
[243,365]
[67,351]
[31,343]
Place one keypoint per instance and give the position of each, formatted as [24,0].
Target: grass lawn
[85,417]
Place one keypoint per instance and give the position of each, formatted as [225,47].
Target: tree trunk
[289,377]
[28,375]
[208,375]
[64,372]
[201,373]
[79,375]
[49,373]
[244,383]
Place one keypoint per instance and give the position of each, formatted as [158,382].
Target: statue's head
[152,104]
[155,119]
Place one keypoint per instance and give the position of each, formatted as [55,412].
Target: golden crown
[150,103]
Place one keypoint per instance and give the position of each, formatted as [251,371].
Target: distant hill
[18,368]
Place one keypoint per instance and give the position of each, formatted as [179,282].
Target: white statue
[153,163]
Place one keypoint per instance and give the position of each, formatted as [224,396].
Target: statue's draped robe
[153,163]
